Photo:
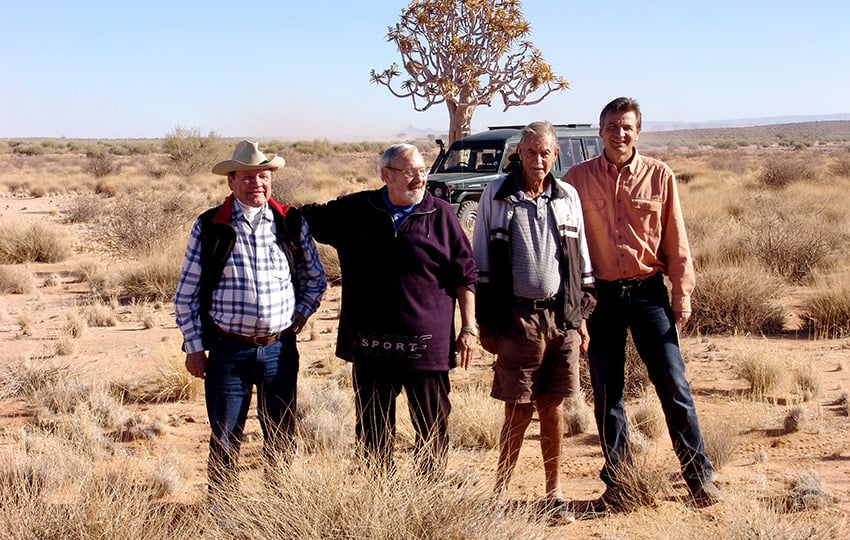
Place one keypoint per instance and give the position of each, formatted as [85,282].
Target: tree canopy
[464,53]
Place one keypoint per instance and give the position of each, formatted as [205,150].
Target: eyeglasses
[410,173]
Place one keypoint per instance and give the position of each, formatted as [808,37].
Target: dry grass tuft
[16,280]
[99,315]
[762,370]
[736,300]
[779,173]
[578,417]
[33,242]
[644,483]
[154,275]
[170,382]
[317,498]
[807,492]
[139,427]
[476,418]
[325,416]
[796,419]
[721,442]
[826,313]
[646,416]
[806,383]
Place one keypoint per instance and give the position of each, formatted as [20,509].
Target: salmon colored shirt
[634,224]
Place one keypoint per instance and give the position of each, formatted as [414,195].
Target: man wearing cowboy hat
[251,278]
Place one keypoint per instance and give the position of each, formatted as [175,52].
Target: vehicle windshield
[471,160]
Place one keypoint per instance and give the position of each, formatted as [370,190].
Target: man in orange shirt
[636,235]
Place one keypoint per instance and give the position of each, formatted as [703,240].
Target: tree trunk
[460,121]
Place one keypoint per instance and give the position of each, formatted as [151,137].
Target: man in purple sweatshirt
[405,264]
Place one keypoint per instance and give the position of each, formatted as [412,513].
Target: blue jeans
[233,369]
[644,308]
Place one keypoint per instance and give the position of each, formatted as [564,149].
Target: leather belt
[255,340]
[537,304]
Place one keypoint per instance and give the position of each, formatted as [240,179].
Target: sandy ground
[764,460]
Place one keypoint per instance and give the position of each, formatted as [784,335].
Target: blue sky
[300,70]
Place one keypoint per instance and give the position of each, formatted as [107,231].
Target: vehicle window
[594,146]
[472,160]
[570,152]
[513,159]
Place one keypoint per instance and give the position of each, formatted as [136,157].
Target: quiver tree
[463,53]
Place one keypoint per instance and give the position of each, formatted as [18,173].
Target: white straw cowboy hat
[247,157]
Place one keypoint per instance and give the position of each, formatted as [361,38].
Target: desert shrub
[99,315]
[646,416]
[192,153]
[793,244]
[840,165]
[806,491]
[28,149]
[325,416]
[170,382]
[806,383]
[643,483]
[721,442]
[39,191]
[795,419]
[153,277]
[84,208]
[826,312]
[16,280]
[318,498]
[66,346]
[134,223]
[779,173]
[736,300]
[111,504]
[34,242]
[763,371]
[100,164]
[578,416]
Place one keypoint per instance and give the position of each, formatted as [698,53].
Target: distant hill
[743,122]
[793,135]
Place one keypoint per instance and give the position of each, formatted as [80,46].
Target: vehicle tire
[467,213]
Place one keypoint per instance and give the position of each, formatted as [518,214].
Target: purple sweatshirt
[398,287]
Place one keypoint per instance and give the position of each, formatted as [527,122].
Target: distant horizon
[413,132]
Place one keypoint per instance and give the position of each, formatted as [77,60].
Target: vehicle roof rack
[555,125]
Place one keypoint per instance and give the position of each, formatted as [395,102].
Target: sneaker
[558,512]
[706,494]
[612,501]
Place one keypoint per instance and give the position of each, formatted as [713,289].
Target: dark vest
[218,238]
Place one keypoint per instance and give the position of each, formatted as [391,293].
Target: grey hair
[540,129]
[398,149]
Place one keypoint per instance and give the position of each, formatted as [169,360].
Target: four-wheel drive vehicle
[460,174]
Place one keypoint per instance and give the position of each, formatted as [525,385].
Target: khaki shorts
[535,358]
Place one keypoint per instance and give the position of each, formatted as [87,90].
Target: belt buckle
[539,304]
[263,340]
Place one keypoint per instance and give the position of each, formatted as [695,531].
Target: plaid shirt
[255,296]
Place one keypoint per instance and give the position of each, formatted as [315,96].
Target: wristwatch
[469,330]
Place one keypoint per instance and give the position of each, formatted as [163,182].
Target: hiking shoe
[558,512]
[612,501]
[706,494]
